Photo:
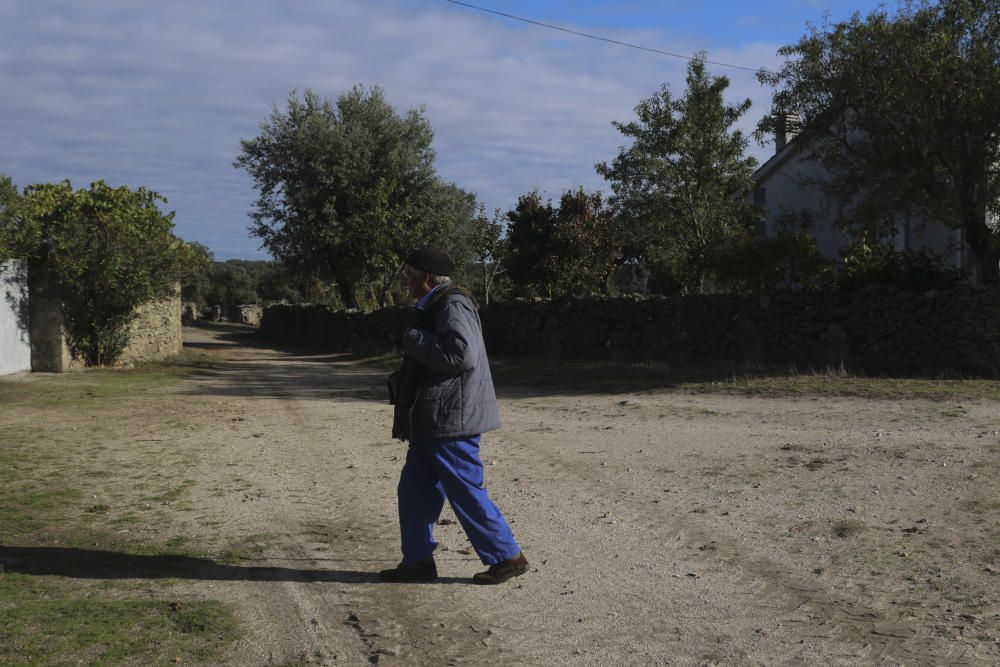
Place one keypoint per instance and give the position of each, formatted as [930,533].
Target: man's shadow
[93,564]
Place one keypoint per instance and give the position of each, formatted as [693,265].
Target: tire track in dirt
[289,622]
[360,618]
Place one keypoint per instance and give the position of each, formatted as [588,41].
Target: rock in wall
[156,332]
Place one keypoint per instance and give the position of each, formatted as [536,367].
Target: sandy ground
[662,527]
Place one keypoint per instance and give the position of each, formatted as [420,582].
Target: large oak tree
[347,187]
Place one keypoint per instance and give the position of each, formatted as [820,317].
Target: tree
[490,249]
[198,282]
[110,250]
[16,234]
[588,244]
[677,187]
[902,112]
[554,251]
[531,265]
[347,189]
[239,281]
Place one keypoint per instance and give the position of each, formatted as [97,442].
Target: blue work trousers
[439,469]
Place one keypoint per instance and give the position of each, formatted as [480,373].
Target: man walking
[444,400]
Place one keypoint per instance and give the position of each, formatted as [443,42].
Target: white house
[783,187]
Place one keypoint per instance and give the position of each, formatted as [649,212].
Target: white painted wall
[785,192]
[15,345]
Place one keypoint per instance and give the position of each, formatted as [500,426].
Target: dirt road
[662,527]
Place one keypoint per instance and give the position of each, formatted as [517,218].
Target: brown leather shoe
[421,570]
[502,571]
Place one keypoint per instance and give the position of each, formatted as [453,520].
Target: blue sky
[159,94]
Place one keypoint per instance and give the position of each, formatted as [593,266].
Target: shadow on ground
[285,372]
[93,564]
[304,373]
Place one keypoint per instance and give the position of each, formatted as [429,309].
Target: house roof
[793,147]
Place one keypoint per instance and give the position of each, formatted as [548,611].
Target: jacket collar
[425,299]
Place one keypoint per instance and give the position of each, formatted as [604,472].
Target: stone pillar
[49,353]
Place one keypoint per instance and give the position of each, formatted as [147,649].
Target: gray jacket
[454,391]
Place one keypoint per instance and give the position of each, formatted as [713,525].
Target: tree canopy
[110,250]
[16,233]
[903,112]
[240,281]
[555,251]
[347,188]
[677,187]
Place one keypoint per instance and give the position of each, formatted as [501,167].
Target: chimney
[788,128]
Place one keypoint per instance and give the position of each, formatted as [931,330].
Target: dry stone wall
[875,330]
[156,331]
[250,314]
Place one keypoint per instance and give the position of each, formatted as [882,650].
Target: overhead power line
[602,39]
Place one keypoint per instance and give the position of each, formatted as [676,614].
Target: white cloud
[160,94]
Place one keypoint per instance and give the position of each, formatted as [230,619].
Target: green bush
[790,259]
[109,250]
[870,262]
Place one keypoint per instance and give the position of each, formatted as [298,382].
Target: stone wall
[49,353]
[875,330]
[156,332]
[250,314]
[318,327]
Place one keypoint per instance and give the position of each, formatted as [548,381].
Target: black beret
[431,260]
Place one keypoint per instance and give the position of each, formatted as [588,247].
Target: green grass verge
[49,621]
[538,376]
[94,386]
[849,386]
[50,498]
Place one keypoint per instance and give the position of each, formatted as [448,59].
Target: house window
[760,197]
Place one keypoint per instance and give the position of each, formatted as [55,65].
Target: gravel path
[662,528]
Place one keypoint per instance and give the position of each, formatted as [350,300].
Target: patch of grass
[52,621]
[845,528]
[30,502]
[187,362]
[541,376]
[93,386]
[835,385]
[178,542]
[170,495]
[246,548]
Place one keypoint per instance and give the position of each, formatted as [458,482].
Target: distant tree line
[901,111]
[239,281]
[347,187]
